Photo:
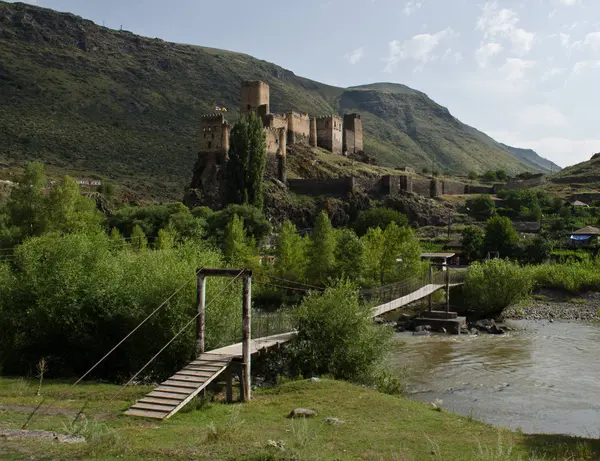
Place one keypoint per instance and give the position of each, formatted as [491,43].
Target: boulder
[422,328]
[302,413]
[484,324]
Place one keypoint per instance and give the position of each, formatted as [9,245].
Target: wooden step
[203,374]
[172,389]
[190,379]
[167,395]
[204,366]
[181,384]
[157,408]
[146,413]
[155,401]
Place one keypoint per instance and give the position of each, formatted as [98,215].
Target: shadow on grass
[559,447]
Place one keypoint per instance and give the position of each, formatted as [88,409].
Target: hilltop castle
[329,132]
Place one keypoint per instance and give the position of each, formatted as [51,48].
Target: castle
[329,132]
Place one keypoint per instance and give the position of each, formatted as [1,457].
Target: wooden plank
[181,384]
[200,373]
[191,379]
[167,395]
[158,401]
[148,406]
[195,393]
[146,414]
[207,365]
[214,361]
[172,389]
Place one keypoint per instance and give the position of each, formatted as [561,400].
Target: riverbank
[368,426]
[555,305]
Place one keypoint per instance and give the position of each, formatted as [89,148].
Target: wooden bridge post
[247,319]
[447,289]
[430,282]
[201,303]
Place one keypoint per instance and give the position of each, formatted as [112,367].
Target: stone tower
[353,134]
[255,97]
[214,136]
[329,133]
[312,139]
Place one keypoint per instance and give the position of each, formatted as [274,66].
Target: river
[541,378]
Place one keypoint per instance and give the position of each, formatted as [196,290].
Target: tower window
[209,144]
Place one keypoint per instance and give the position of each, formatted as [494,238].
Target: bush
[501,236]
[255,223]
[573,277]
[473,175]
[337,336]
[378,217]
[150,218]
[490,176]
[472,241]
[72,298]
[482,207]
[496,284]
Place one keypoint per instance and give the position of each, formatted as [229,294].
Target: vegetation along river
[541,377]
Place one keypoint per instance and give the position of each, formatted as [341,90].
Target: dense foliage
[378,217]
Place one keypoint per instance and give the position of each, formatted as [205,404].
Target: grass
[375,427]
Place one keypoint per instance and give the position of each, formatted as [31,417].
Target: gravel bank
[557,306]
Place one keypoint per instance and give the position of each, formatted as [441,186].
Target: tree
[26,203]
[501,236]
[164,241]
[537,250]
[255,223]
[473,175]
[502,175]
[138,238]
[69,212]
[322,248]
[482,207]
[236,248]
[490,176]
[247,162]
[379,217]
[472,242]
[349,256]
[116,239]
[290,253]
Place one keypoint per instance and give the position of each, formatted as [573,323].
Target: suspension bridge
[178,390]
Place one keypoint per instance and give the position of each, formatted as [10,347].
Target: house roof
[587,230]
[437,255]
[579,203]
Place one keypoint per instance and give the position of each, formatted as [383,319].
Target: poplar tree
[138,238]
[322,250]
[247,162]
[290,254]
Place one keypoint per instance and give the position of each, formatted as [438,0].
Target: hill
[97,102]
[580,181]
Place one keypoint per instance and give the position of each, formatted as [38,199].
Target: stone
[474,331]
[422,328]
[302,413]
[334,421]
[422,333]
[315,380]
[496,330]
[484,324]
[400,328]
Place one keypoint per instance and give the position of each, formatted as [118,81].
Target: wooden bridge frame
[245,372]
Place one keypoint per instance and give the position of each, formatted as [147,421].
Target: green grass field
[375,427]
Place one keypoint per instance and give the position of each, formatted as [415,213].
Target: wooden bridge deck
[397,303]
[177,391]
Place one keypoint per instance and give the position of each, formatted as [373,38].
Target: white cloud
[514,68]
[418,48]
[412,6]
[550,73]
[564,39]
[568,2]
[356,55]
[593,40]
[583,66]
[486,51]
[502,23]
[451,54]
[542,115]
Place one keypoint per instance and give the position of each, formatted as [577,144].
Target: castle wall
[513,184]
[313,133]
[214,135]
[275,121]
[329,133]
[316,187]
[469,189]
[353,133]
[298,127]
[453,188]
[274,140]
[421,187]
[254,97]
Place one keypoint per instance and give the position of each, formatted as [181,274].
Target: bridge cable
[174,337]
[61,396]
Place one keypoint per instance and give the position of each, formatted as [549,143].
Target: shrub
[501,236]
[573,277]
[255,223]
[72,298]
[149,218]
[490,176]
[473,175]
[337,336]
[378,217]
[502,175]
[482,207]
[496,284]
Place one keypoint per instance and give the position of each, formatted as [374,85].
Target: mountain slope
[95,101]
[531,157]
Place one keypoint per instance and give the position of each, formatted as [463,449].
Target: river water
[542,377]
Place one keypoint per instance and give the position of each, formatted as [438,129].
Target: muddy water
[542,378]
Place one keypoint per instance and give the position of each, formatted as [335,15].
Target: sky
[525,72]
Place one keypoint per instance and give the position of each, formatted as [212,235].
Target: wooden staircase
[172,394]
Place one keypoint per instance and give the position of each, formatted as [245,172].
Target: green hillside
[93,101]
[582,179]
